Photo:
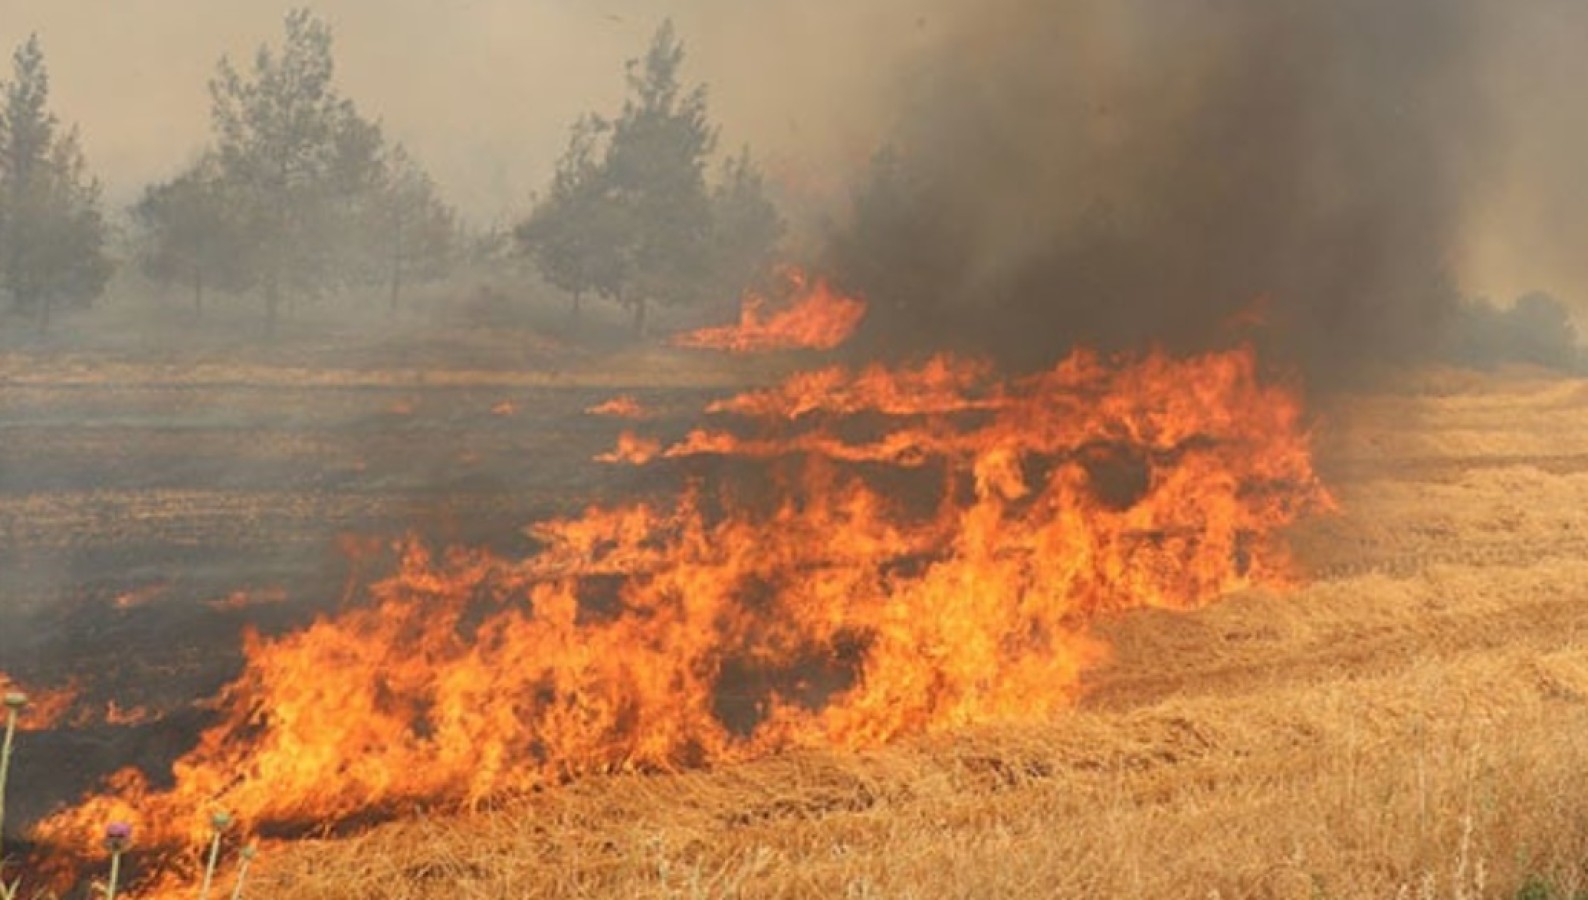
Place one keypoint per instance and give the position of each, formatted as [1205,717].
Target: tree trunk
[272,301]
[396,286]
[396,265]
[198,292]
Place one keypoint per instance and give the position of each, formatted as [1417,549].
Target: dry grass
[1413,723]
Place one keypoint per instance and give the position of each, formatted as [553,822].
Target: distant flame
[622,406]
[47,708]
[816,318]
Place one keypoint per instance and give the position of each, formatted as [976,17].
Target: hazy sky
[483,92]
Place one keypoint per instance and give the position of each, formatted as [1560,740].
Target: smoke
[1118,173]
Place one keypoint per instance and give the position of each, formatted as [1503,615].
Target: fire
[240,600]
[622,406]
[47,708]
[141,596]
[924,556]
[817,318]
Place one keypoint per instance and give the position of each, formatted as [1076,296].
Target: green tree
[745,229]
[52,233]
[188,233]
[414,232]
[655,173]
[295,156]
[631,218]
[904,249]
[570,234]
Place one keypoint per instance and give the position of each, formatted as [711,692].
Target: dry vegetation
[1410,723]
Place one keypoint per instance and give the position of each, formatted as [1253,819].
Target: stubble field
[1410,720]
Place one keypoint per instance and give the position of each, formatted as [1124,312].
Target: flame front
[817,318]
[925,554]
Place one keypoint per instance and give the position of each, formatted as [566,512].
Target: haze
[483,93]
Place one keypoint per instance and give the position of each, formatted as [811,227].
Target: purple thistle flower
[117,836]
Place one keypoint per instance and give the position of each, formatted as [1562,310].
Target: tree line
[298,194]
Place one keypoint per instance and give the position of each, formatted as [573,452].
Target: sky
[483,92]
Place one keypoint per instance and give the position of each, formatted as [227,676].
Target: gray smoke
[1122,173]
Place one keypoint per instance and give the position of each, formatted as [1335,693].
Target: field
[1409,720]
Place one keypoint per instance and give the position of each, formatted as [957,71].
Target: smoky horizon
[1457,120]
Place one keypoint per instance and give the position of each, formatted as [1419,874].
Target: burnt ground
[150,509]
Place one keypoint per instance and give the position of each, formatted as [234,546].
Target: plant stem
[242,872]
[115,874]
[209,870]
[5,766]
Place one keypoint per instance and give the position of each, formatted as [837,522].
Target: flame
[817,318]
[729,623]
[141,595]
[622,406]
[47,708]
[632,448]
[240,600]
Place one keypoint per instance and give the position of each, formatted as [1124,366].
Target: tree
[188,233]
[570,234]
[294,155]
[52,233]
[655,173]
[414,232]
[635,224]
[904,248]
[745,228]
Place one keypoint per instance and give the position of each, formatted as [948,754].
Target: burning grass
[814,316]
[1412,731]
[1308,790]
[821,612]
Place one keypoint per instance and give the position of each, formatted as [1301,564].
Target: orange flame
[726,625]
[47,708]
[240,600]
[141,595]
[622,406]
[818,318]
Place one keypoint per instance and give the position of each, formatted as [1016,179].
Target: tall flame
[925,555]
[817,318]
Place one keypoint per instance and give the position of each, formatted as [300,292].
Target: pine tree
[631,219]
[188,233]
[295,156]
[52,233]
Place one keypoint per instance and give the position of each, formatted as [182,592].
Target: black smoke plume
[1144,172]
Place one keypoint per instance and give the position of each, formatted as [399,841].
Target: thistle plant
[13,702]
[247,854]
[218,823]
[118,835]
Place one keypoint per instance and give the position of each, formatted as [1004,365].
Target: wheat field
[1411,720]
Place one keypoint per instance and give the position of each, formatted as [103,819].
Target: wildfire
[817,318]
[926,555]
[47,707]
[622,406]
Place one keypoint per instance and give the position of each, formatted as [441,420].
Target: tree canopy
[52,232]
[629,215]
[299,194]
